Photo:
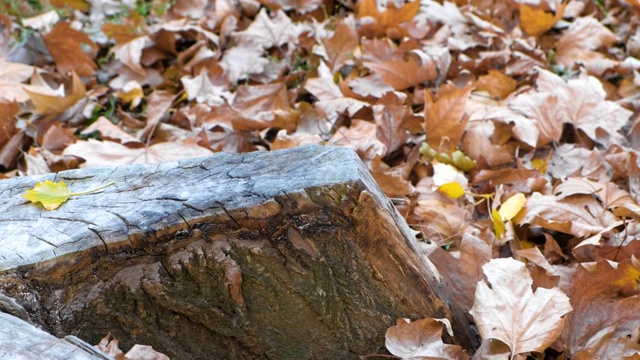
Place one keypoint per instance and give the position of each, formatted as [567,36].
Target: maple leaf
[65,46]
[421,339]
[53,194]
[401,67]
[511,312]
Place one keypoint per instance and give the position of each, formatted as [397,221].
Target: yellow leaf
[453,189]
[50,194]
[512,207]
[498,225]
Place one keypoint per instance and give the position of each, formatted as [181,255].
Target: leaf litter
[505,131]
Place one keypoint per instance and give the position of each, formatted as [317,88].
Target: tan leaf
[578,45]
[111,132]
[580,216]
[107,153]
[144,352]
[11,77]
[421,339]
[65,45]
[511,312]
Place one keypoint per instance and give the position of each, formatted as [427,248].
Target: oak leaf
[511,312]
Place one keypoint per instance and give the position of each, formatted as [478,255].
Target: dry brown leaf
[511,312]
[393,119]
[8,112]
[445,119]
[54,102]
[65,45]
[340,46]
[421,339]
[497,84]
[462,273]
[604,296]
[130,40]
[387,21]
[401,67]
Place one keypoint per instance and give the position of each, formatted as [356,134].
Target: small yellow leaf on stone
[50,194]
[512,207]
[453,189]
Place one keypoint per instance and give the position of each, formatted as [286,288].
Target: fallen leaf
[420,339]
[55,102]
[53,194]
[401,67]
[511,207]
[453,189]
[107,153]
[511,312]
[65,45]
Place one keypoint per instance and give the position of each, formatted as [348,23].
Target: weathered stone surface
[287,254]
[21,340]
